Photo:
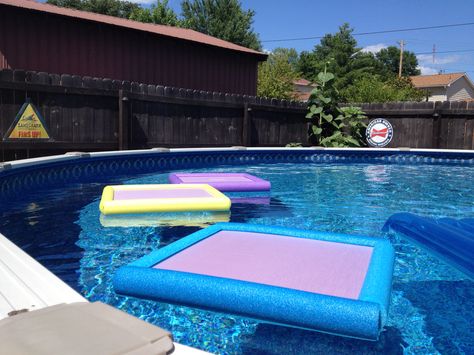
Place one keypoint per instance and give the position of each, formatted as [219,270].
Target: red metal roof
[301,81]
[169,31]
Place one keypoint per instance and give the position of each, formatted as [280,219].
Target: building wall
[302,92]
[303,88]
[437,94]
[37,41]
[460,90]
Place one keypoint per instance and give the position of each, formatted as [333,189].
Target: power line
[453,51]
[438,41]
[375,32]
[460,69]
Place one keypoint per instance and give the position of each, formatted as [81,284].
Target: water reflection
[185,219]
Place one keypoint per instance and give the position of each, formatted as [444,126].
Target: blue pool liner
[363,318]
[450,239]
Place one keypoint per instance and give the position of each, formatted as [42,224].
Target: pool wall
[19,177]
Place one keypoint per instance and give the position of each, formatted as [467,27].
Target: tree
[389,59]
[340,55]
[115,8]
[290,54]
[306,64]
[377,89]
[360,76]
[72,4]
[224,19]
[276,75]
[159,13]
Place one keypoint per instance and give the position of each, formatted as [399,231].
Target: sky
[281,19]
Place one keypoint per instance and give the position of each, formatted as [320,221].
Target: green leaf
[336,135]
[315,109]
[331,141]
[314,92]
[327,117]
[325,77]
[324,142]
[309,115]
[326,100]
[352,141]
[317,130]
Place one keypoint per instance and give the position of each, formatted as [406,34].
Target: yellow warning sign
[28,124]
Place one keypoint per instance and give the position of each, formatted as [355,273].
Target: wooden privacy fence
[438,125]
[84,113]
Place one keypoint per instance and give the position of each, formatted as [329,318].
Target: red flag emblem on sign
[379,133]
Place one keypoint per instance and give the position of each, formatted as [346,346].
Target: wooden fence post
[436,130]
[246,137]
[123,121]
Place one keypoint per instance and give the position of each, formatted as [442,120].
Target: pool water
[432,308]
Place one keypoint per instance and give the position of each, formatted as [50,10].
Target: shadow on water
[241,212]
[245,212]
[273,339]
[449,313]
[48,233]
[169,235]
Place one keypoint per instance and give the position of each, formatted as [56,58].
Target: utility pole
[434,53]
[402,44]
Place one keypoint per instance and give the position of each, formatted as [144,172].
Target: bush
[374,89]
[332,126]
[275,77]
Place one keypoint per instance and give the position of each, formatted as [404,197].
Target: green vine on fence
[331,125]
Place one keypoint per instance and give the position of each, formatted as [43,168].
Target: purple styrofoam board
[153,194]
[222,181]
[316,266]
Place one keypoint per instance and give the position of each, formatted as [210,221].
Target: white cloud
[427,70]
[428,59]
[374,48]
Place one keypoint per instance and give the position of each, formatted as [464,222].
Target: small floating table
[162,198]
[222,181]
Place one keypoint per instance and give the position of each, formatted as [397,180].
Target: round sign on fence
[379,132]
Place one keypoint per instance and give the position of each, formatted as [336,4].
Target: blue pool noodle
[450,239]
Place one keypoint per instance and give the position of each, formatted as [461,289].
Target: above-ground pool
[52,212]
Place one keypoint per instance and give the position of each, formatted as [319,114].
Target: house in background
[45,38]
[445,87]
[302,89]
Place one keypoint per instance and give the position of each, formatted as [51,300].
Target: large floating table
[328,282]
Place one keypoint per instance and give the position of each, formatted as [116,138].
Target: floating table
[328,282]
[223,181]
[162,198]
